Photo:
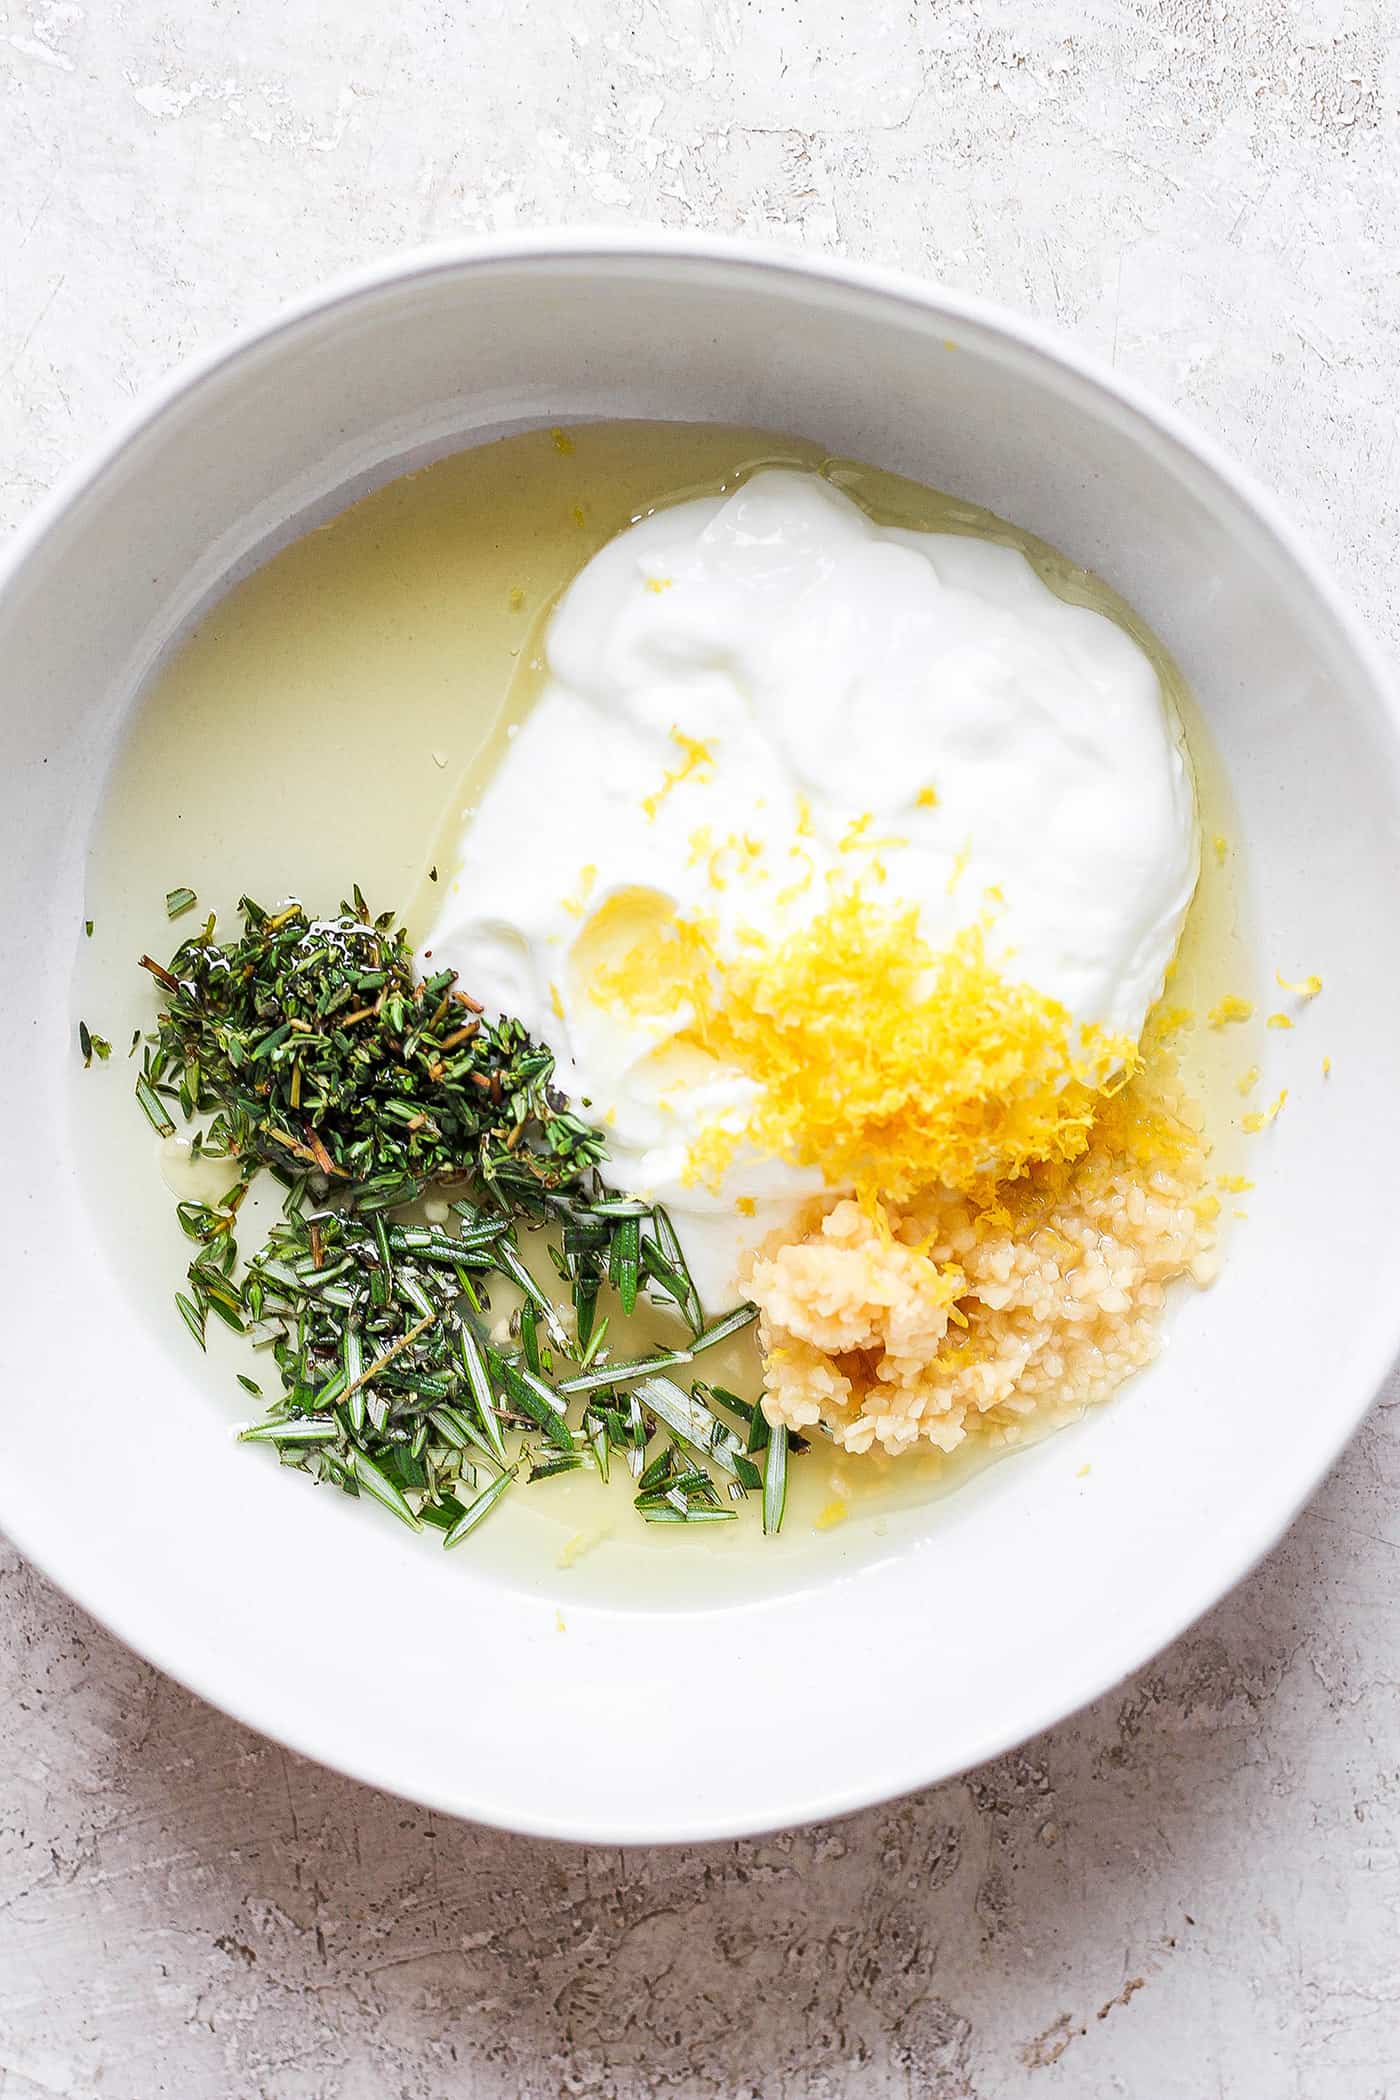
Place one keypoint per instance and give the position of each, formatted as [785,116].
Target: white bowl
[997,1611]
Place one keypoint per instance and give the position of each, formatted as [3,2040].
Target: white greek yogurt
[862,695]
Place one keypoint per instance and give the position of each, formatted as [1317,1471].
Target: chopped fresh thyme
[312,1050]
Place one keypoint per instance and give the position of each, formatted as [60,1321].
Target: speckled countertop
[1191,1891]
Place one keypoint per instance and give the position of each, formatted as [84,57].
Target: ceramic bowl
[877,1667]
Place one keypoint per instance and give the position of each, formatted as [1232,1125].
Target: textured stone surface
[1190,1890]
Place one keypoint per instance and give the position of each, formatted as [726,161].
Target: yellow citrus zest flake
[794,890]
[1222,847]
[583,889]
[660,583]
[927,798]
[556,1002]
[959,868]
[1233,1184]
[891,1066]
[1279,1021]
[562,441]
[803,826]
[1326,1066]
[832,1513]
[1262,1117]
[1247,1081]
[559,1626]
[702,845]
[1207,1209]
[577,515]
[696,759]
[746,1206]
[1229,1009]
[517,599]
[1305,988]
[854,838]
[1084,1472]
[1170,1020]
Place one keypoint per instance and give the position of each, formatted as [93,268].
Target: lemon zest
[1229,1009]
[697,760]
[577,903]
[1305,988]
[892,1067]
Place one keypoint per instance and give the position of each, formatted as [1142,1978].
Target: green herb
[689,1418]
[92,1046]
[474,1512]
[87,928]
[310,1049]
[177,901]
[775,1480]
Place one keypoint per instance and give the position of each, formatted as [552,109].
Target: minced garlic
[950,1317]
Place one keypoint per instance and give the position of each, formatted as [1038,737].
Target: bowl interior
[534,1704]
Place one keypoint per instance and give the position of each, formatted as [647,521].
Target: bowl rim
[582,244]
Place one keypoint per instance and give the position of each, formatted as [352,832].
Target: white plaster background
[1191,1892]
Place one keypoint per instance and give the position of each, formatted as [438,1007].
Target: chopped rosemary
[178,901]
[775,1479]
[312,1050]
[92,1046]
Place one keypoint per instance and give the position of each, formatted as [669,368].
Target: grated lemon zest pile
[893,1068]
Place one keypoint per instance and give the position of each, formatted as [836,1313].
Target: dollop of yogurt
[748,695]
